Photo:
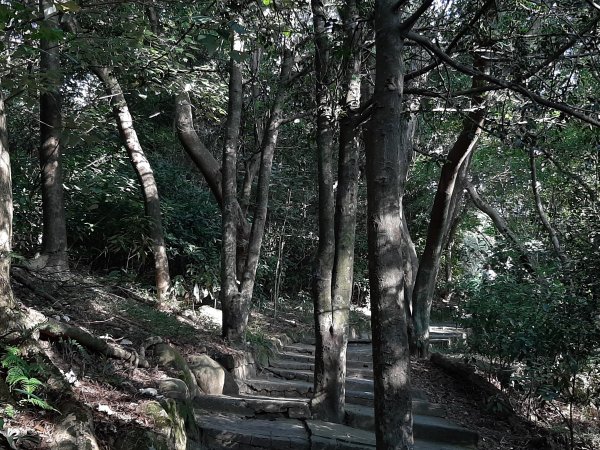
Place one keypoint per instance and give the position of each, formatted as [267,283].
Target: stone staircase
[272,411]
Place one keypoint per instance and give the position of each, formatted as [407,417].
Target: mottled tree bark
[54,236]
[195,148]
[410,260]
[331,319]
[391,361]
[144,174]
[7,303]
[444,205]
[252,163]
[230,295]
[324,403]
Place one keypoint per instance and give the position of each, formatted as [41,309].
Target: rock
[140,438]
[212,315]
[230,387]
[210,375]
[174,388]
[148,391]
[74,434]
[168,356]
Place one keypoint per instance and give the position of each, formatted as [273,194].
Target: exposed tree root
[54,329]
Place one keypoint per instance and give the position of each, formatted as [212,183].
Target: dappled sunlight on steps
[273,412]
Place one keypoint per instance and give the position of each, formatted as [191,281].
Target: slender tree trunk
[54,237]
[410,259]
[230,295]
[195,148]
[325,402]
[239,318]
[502,226]
[206,164]
[251,170]
[7,303]
[552,234]
[328,401]
[145,176]
[444,205]
[252,163]
[391,361]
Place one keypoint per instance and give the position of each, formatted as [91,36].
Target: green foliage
[551,333]
[20,377]
[261,345]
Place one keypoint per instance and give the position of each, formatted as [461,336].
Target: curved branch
[501,225]
[540,209]
[514,86]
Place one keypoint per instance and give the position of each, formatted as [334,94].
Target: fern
[20,378]
[15,376]
[13,358]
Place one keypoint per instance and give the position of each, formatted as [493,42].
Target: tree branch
[410,22]
[516,87]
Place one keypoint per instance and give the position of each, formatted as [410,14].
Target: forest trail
[273,412]
[271,408]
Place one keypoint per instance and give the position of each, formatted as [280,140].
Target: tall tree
[230,296]
[334,281]
[54,237]
[237,312]
[447,197]
[7,303]
[325,401]
[389,318]
[145,176]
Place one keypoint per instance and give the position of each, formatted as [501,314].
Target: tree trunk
[7,303]
[195,148]
[230,295]
[238,321]
[252,163]
[326,399]
[328,402]
[410,259]
[145,177]
[444,205]
[502,226]
[54,237]
[207,165]
[552,234]
[391,361]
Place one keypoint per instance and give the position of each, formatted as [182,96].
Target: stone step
[231,432]
[439,335]
[254,405]
[424,425]
[306,358]
[355,352]
[296,388]
[247,405]
[352,383]
[284,364]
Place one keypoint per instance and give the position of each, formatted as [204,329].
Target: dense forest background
[223,151]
